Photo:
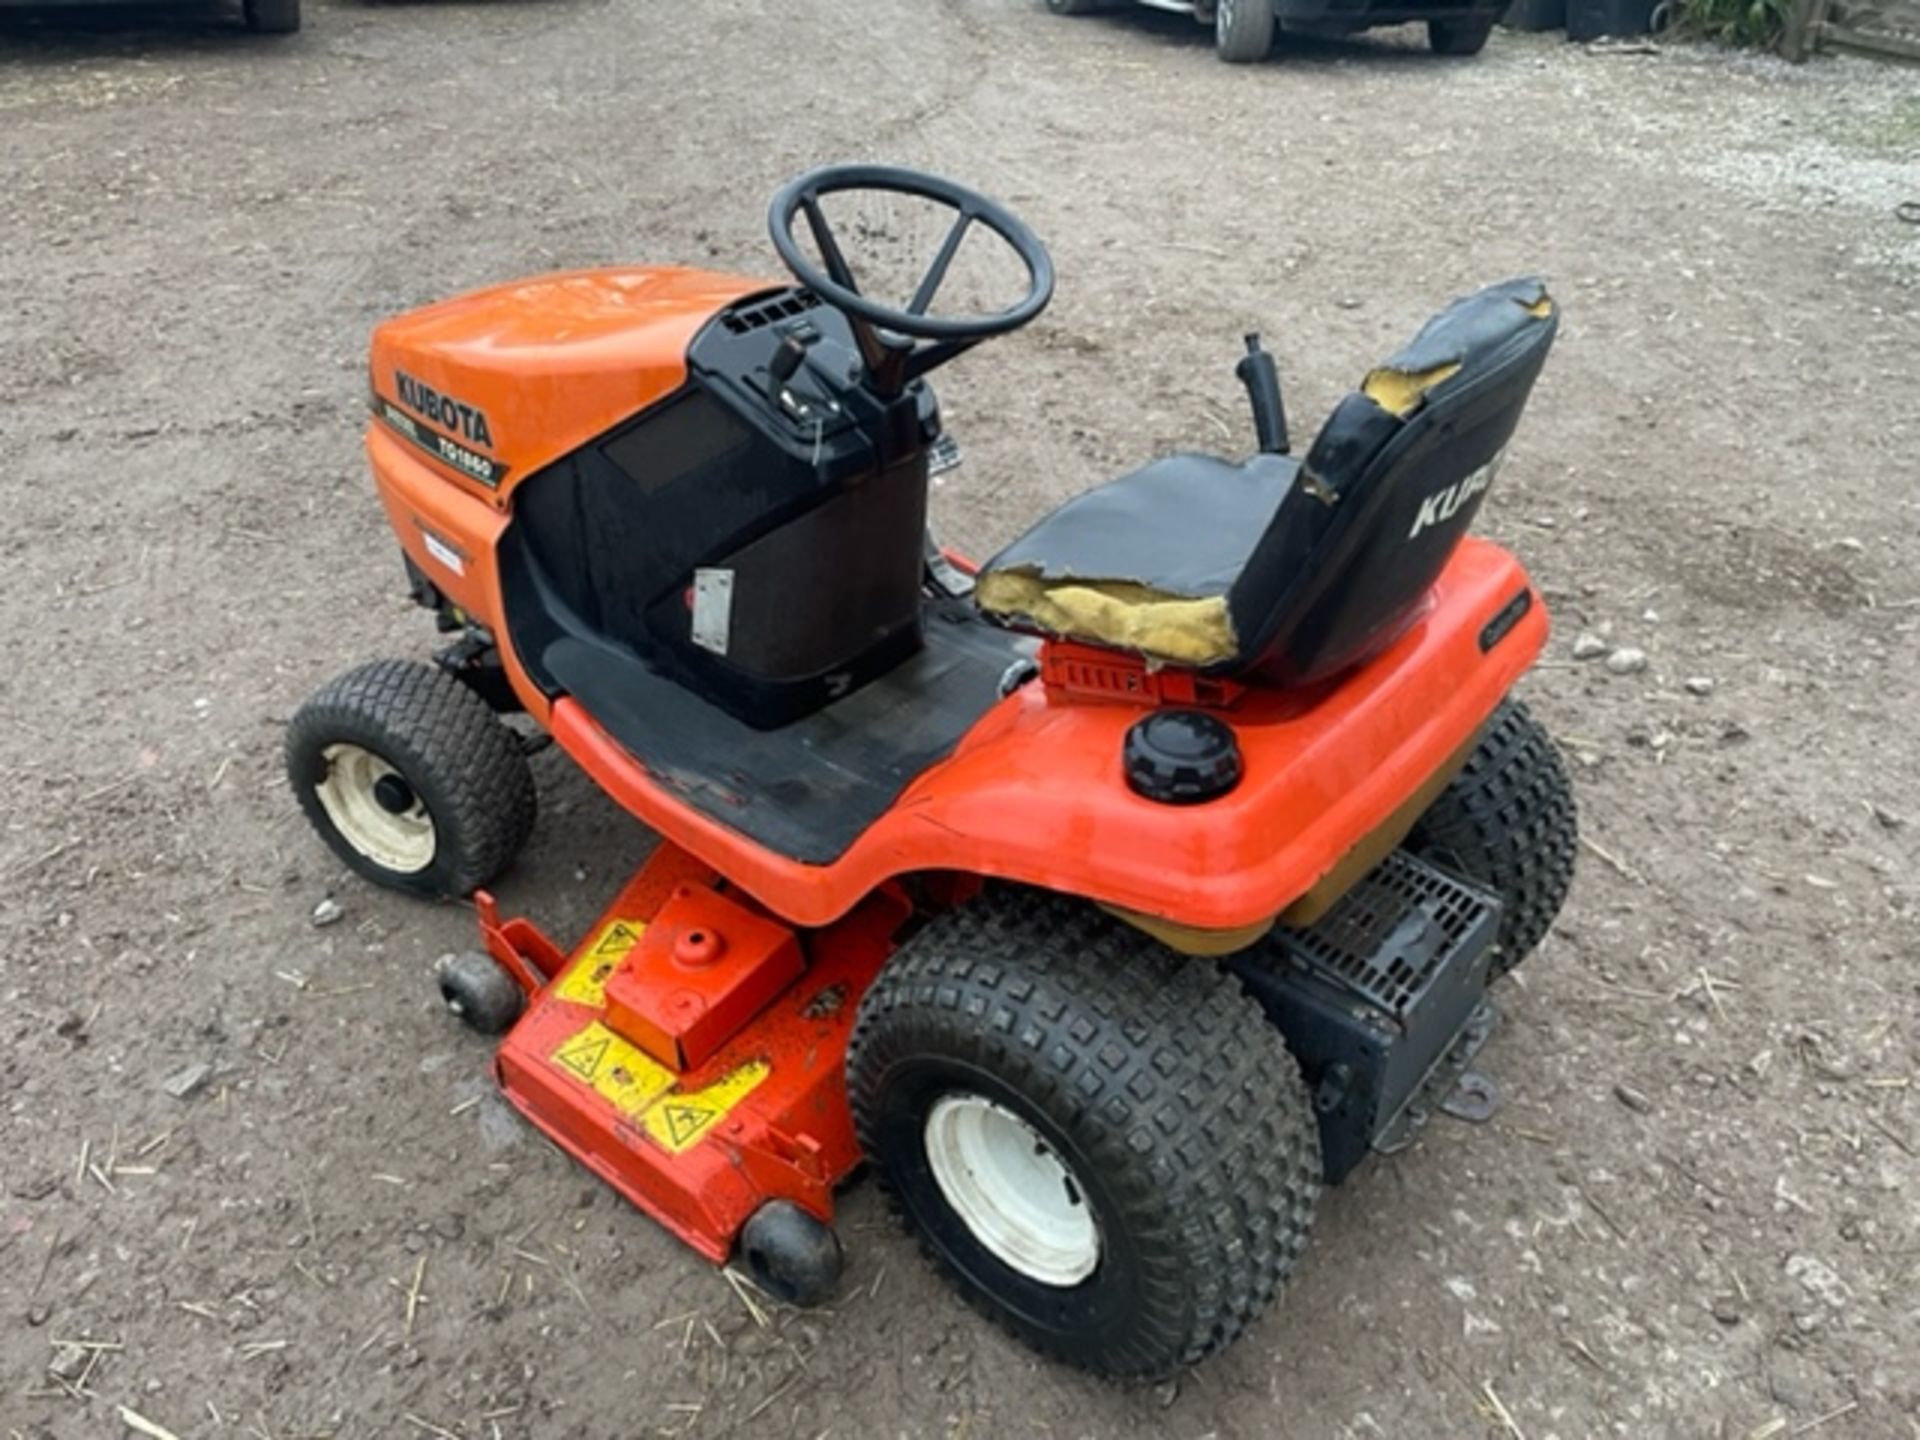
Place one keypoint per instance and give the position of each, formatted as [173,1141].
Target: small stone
[1885,818]
[69,1362]
[328,912]
[39,1315]
[1165,1393]
[1726,1309]
[1819,1279]
[183,1084]
[1699,684]
[1790,1390]
[1627,661]
[1632,1099]
[1589,646]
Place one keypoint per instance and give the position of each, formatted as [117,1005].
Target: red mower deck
[690,1051]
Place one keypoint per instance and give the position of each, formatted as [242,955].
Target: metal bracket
[1451,1087]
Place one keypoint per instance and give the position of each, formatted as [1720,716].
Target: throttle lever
[1262,378]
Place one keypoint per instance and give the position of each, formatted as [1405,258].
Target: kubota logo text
[443,410]
[1443,505]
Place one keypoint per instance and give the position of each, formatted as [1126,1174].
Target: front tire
[1103,1145]
[1508,821]
[410,778]
[1459,37]
[1243,30]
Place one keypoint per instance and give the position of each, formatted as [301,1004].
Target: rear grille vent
[1387,936]
[746,318]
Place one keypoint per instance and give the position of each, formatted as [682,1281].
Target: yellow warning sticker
[684,1119]
[585,982]
[622,1072]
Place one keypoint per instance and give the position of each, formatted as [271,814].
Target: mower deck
[689,1053]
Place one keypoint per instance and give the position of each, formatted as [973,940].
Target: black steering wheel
[887,359]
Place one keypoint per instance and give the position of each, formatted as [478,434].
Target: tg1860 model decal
[444,410]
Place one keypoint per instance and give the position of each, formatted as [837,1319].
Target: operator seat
[1281,571]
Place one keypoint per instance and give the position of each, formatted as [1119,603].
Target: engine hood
[497,383]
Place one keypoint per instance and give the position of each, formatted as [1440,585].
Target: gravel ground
[1694,1215]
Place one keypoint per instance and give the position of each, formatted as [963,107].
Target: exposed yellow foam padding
[1123,614]
[1399,392]
[1541,308]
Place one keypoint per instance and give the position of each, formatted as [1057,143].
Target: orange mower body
[1155,868]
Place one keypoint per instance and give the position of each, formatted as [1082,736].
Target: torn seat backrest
[1390,486]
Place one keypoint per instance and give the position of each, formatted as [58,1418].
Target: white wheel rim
[1010,1190]
[402,841]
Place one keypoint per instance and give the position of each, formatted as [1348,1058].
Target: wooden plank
[1866,42]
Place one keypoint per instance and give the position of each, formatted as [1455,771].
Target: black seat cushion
[1283,571]
[1146,561]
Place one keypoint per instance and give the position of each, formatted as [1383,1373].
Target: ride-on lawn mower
[1108,898]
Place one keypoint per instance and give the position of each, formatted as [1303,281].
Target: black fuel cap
[1181,757]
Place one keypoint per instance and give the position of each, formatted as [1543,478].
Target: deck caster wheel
[411,778]
[1103,1145]
[791,1255]
[478,989]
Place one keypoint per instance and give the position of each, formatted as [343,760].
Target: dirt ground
[1696,1213]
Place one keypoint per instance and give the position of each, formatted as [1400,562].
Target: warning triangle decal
[619,938]
[686,1121]
[584,1057]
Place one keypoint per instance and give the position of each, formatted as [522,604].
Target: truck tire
[1459,37]
[273,17]
[1103,1145]
[1508,822]
[1243,30]
[410,778]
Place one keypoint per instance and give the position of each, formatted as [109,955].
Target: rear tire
[1243,30]
[1103,1145]
[410,778]
[1508,822]
[1459,37]
[273,17]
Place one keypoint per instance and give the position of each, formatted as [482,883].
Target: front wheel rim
[376,810]
[1014,1194]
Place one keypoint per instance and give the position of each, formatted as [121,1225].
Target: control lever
[788,356]
[786,359]
[1258,373]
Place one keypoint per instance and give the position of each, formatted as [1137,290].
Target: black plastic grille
[1391,934]
[758,316]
